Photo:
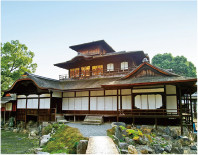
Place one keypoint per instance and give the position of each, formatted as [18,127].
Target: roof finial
[145,60]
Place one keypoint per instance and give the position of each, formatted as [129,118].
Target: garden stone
[123,145]
[128,126]
[132,149]
[142,141]
[124,133]
[62,121]
[167,130]
[158,149]
[177,150]
[115,140]
[44,124]
[43,153]
[45,139]
[166,137]
[25,131]
[146,150]
[36,150]
[118,124]
[168,148]
[185,141]
[11,122]
[146,129]
[118,133]
[33,133]
[129,141]
[175,133]
[194,147]
[124,152]
[15,130]
[82,147]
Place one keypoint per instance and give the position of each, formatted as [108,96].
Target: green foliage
[153,135]
[111,132]
[136,138]
[16,59]
[122,127]
[55,125]
[178,64]
[65,140]
[149,138]
[47,130]
[134,133]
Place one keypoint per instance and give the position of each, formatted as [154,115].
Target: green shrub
[122,127]
[111,132]
[47,129]
[134,132]
[55,125]
[65,140]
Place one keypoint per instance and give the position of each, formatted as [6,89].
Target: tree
[16,59]
[178,64]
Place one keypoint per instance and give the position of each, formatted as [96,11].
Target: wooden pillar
[117,107]
[16,112]
[50,105]
[121,100]
[191,109]
[180,113]
[131,102]
[38,114]
[164,101]
[155,123]
[89,101]
[26,112]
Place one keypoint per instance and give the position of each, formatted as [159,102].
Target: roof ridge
[38,76]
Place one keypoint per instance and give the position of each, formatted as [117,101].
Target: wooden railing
[90,74]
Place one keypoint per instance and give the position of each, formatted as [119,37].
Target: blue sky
[49,28]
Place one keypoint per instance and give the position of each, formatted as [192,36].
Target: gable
[148,70]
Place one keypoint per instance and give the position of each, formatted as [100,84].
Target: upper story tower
[98,59]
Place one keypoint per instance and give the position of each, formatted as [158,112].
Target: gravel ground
[91,130]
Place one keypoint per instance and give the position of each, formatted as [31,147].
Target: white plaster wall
[148,90]
[68,94]
[45,95]
[97,93]
[82,93]
[56,94]
[125,91]
[171,103]
[32,95]
[170,89]
[110,92]
[21,96]
[21,103]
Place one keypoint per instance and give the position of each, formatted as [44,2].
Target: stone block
[118,124]
[123,145]
[82,147]
[132,149]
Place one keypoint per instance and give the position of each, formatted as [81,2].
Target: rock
[43,153]
[15,130]
[132,149]
[44,124]
[123,145]
[158,149]
[33,133]
[82,147]
[124,151]
[177,150]
[192,136]
[128,126]
[146,150]
[166,137]
[185,141]
[115,140]
[129,141]
[45,139]
[62,121]
[124,132]
[146,129]
[25,131]
[175,133]
[118,124]
[36,150]
[193,147]
[141,141]
[167,130]
[118,133]
[168,148]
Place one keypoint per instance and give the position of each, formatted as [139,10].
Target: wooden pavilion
[108,83]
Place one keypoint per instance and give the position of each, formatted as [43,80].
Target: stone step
[101,145]
[93,120]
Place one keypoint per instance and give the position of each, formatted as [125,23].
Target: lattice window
[124,65]
[110,67]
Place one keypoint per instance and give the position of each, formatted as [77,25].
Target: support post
[26,112]
[155,123]
[50,105]
[191,110]
[89,101]
[117,107]
[180,113]
[121,100]
[38,114]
